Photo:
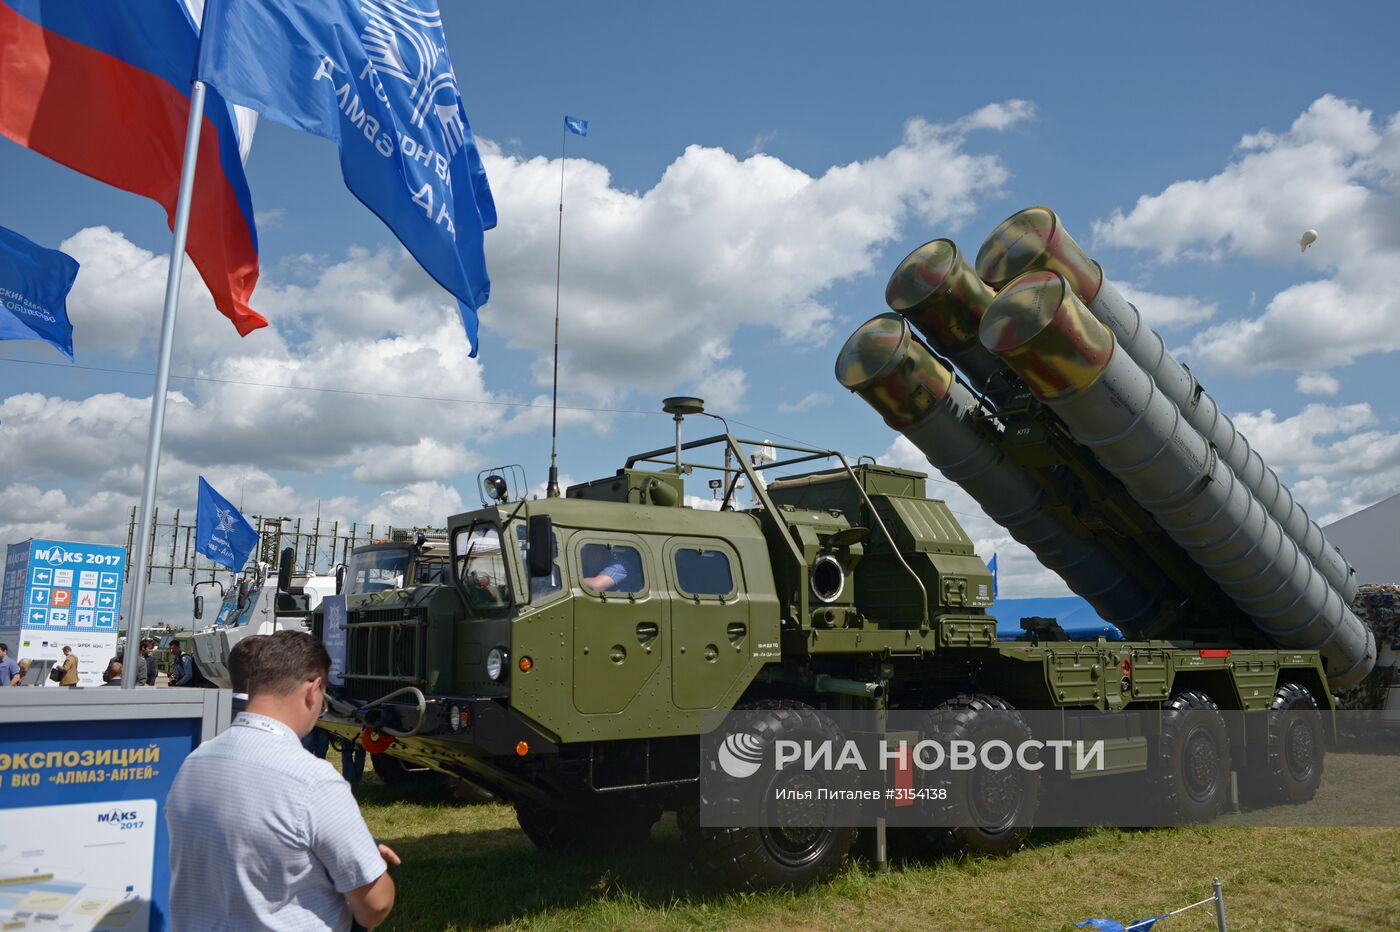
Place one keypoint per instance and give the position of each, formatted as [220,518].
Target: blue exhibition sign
[96,794]
[333,614]
[60,586]
[16,585]
[84,776]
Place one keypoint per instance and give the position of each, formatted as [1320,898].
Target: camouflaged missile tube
[1035,239]
[1112,406]
[937,291]
[917,395]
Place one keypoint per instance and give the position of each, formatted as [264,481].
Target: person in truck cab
[602,570]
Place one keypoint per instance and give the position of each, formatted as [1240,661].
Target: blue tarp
[1074,614]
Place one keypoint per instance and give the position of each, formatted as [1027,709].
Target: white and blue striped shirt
[264,835]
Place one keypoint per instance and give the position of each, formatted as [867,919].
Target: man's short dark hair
[175,643]
[283,661]
[5,647]
[242,659]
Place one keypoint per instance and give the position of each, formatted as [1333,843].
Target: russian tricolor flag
[104,88]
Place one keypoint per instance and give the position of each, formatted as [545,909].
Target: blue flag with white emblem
[34,285]
[374,77]
[221,533]
[575,125]
[992,566]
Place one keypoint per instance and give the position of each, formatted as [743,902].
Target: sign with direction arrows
[58,593]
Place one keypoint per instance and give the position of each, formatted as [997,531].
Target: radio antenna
[580,127]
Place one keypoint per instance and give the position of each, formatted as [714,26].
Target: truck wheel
[1291,765]
[1191,775]
[995,807]
[586,830]
[794,849]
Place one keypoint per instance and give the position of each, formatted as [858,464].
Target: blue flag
[221,533]
[34,284]
[374,77]
[575,125]
[992,565]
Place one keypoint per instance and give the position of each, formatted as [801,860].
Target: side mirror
[198,607]
[284,569]
[340,578]
[540,555]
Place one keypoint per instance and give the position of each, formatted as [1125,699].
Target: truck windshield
[481,567]
[238,602]
[377,570]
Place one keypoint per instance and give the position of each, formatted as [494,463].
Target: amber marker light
[521,749]
[526,664]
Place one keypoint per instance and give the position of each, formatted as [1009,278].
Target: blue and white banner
[576,125]
[373,76]
[34,285]
[221,532]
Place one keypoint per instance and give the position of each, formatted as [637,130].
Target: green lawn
[468,867]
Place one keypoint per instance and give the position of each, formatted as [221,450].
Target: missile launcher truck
[573,658]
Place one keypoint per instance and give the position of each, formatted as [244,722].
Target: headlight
[454,717]
[496,662]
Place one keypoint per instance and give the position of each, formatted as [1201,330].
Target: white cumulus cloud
[656,283]
[1336,169]
[1317,383]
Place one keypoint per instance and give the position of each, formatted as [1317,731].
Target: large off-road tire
[793,849]
[589,828]
[1190,776]
[991,810]
[1289,768]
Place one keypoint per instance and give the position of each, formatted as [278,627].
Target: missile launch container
[577,650]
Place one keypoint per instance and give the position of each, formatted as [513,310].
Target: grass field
[469,867]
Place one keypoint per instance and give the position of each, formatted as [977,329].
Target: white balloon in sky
[1309,237]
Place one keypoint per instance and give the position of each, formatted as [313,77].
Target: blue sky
[752,175]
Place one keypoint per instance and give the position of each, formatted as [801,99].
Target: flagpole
[552,490]
[167,341]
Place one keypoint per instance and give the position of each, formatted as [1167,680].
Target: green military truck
[582,646]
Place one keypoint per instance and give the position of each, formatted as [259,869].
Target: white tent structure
[1370,539]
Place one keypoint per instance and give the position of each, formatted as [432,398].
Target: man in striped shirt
[263,834]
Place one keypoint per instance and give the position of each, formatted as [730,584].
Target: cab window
[541,587]
[377,570]
[480,566]
[703,572]
[611,568]
[430,573]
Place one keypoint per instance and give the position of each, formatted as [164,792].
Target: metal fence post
[1219,905]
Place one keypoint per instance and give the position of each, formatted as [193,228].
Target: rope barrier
[1218,898]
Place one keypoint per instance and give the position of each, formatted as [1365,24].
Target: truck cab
[254,604]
